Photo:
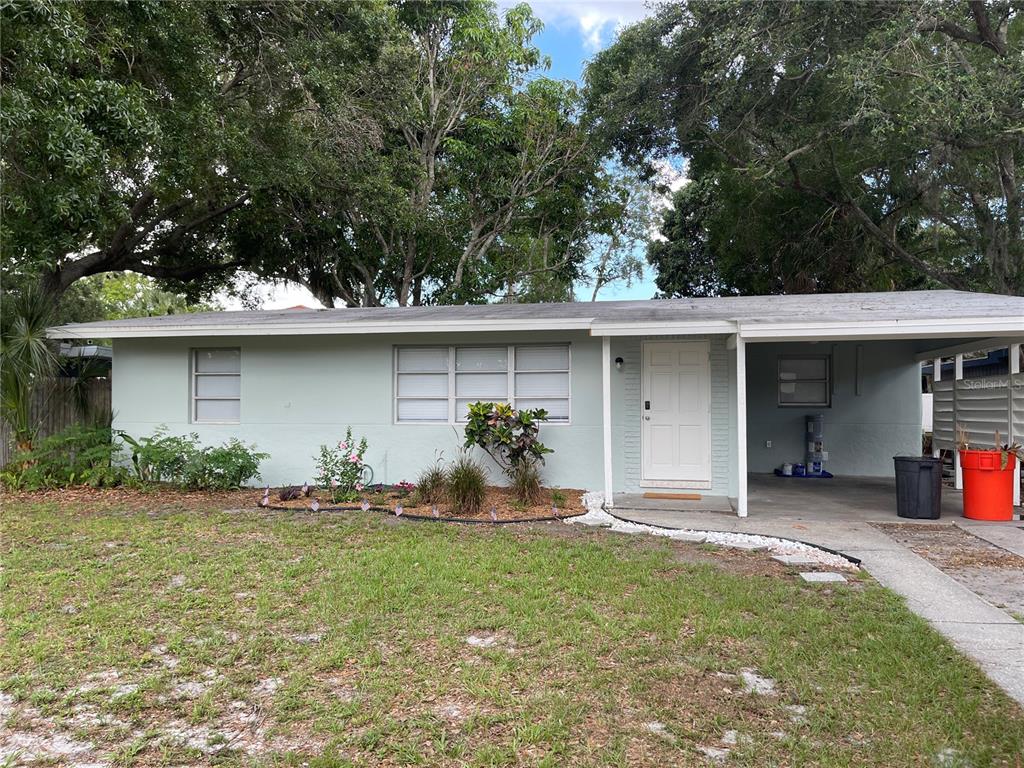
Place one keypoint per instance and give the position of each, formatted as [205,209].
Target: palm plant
[27,359]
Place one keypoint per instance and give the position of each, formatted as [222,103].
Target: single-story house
[687,394]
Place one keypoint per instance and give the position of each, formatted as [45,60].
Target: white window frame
[453,399]
[827,381]
[194,374]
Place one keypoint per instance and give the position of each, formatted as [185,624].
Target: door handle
[647,418]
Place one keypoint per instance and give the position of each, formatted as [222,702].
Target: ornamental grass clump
[431,484]
[510,437]
[341,469]
[466,485]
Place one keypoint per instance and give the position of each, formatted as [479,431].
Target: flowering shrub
[341,469]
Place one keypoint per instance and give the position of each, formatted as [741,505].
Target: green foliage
[466,484]
[26,359]
[832,146]
[134,133]
[341,469]
[509,436]
[180,460]
[77,456]
[161,457]
[558,498]
[525,482]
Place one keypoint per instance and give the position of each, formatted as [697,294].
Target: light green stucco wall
[862,432]
[301,391]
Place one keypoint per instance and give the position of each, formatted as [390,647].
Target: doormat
[674,496]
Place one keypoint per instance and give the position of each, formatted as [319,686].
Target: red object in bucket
[988,489]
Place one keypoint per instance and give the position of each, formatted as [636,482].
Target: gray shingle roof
[939,306]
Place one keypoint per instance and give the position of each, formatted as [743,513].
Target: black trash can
[918,487]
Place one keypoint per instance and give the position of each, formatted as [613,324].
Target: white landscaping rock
[755,683]
[659,729]
[596,516]
[718,754]
[822,577]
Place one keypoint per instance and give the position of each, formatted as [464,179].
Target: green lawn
[187,636]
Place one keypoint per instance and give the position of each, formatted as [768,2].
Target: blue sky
[573,32]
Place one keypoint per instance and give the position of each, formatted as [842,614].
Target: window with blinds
[437,384]
[216,386]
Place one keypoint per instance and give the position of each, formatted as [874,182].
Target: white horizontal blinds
[542,379]
[216,385]
[481,376]
[804,380]
[422,384]
[439,383]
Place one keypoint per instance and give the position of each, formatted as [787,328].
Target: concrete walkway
[986,634]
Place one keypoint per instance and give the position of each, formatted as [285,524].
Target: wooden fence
[55,407]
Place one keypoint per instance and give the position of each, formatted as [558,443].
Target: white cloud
[596,20]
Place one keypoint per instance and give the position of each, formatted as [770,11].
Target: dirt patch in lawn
[499,505]
[987,570]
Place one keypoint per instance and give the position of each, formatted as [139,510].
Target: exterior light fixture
[618,363]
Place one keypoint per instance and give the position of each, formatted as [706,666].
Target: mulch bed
[498,500]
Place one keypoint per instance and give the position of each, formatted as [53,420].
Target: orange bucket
[988,489]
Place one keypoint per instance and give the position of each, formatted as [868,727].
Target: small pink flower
[343,445]
[354,458]
[334,483]
[359,486]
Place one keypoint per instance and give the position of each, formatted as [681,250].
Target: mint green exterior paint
[862,431]
[299,392]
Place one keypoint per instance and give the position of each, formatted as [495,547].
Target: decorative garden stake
[433,510]
[494,515]
[554,510]
[365,506]
[315,505]
[305,488]
[265,501]
[398,510]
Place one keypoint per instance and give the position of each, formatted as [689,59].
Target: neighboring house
[642,395]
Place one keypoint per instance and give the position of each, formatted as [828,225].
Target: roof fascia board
[882,329]
[313,329]
[665,328]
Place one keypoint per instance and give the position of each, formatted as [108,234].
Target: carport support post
[606,417]
[1014,437]
[937,376]
[958,472]
[741,426]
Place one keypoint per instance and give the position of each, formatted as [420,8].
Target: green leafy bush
[466,484]
[224,467]
[79,455]
[510,437]
[180,460]
[161,457]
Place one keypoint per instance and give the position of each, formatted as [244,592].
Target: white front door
[676,414]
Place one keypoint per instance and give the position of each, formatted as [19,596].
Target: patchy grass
[155,633]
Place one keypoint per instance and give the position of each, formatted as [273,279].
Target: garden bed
[506,509]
